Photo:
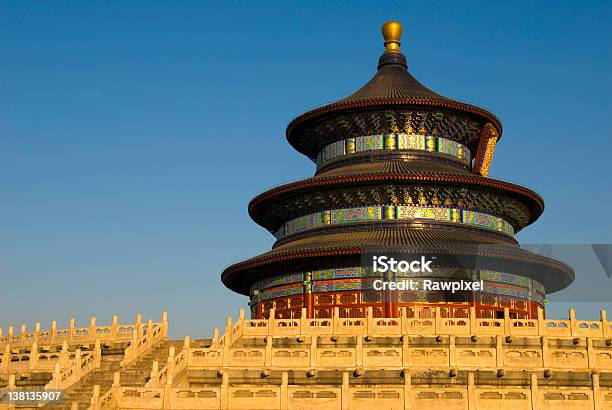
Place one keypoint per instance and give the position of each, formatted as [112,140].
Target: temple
[399,168]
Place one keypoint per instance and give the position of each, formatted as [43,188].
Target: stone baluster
[336,321]
[605,326]
[535,392]
[77,363]
[437,321]
[268,353]
[507,323]
[71,330]
[572,318]
[473,322]
[114,326]
[345,399]
[150,331]
[407,389]
[359,351]
[452,351]
[241,314]
[303,321]
[369,321]
[11,381]
[271,323]
[53,331]
[171,365]
[499,351]
[36,331]
[164,324]
[284,391]
[92,328]
[11,333]
[117,378]
[34,356]
[138,325]
[57,375]
[597,396]
[134,344]
[63,356]
[95,397]
[541,322]
[471,392]
[6,357]
[23,332]
[224,390]
[155,371]
[215,340]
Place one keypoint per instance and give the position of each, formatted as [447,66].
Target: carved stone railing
[144,338]
[436,325]
[34,360]
[464,393]
[114,333]
[82,365]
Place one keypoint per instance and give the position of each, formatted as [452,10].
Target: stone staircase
[134,375]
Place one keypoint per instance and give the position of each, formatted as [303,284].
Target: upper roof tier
[391,89]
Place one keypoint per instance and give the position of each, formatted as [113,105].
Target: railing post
[604,323]
[114,326]
[215,340]
[473,326]
[541,322]
[57,375]
[92,328]
[63,356]
[597,396]
[336,320]
[11,381]
[11,333]
[437,321]
[284,391]
[23,332]
[138,325]
[53,331]
[535,391]
[165,324]
[271,318]
[34,356]
[345,399]
[71,330]
[241,314]
[36,331]
[303,321]
[6,357]
[77,363]
[150,332]
[186,343]
[369,320]
[117,378]
[135,347]
[507,327]
[95,396]
[572,318]
[155,370]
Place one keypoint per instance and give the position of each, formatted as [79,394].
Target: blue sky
[133,135]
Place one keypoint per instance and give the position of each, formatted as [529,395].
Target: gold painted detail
[486,149]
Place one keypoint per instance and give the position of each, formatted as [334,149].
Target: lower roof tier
[451,247]
[398,182]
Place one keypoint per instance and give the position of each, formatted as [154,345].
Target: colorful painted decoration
[394,141]
[396,212]
[359,278]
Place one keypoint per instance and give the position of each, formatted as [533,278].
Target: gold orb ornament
[392,32]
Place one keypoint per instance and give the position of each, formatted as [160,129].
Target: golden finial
[392,31]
